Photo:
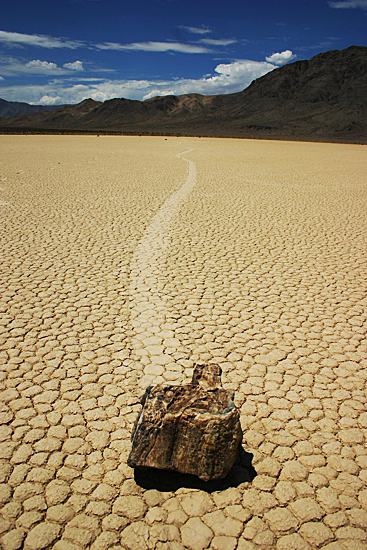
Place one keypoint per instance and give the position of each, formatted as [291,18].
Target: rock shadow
[166,481]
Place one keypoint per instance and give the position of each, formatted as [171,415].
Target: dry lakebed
[125,261]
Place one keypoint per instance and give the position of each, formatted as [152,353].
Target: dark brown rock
[192,429]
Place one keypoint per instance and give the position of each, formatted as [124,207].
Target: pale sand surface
[126,260]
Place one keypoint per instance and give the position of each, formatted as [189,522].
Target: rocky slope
[15,108]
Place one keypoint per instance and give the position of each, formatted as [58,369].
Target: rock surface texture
[193,429]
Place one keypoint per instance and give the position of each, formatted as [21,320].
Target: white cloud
[75,66]
[81,79]
[40,66]
[47,100]
[153,47]
[12,66]
[349,4]
[227,78]
[281,58]
[43,41]
[196,30]
[218,42]
[16,38]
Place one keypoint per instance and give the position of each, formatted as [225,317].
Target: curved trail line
[154,342]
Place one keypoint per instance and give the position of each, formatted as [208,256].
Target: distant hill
[15,108]
[321,99]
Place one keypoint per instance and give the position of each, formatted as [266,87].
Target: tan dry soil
[126,260]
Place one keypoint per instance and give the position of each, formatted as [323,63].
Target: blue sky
[63,52]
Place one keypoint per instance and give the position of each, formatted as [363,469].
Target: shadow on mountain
[165,481]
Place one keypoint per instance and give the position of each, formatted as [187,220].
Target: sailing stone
[192,429]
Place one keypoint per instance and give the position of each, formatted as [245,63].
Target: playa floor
[126,261]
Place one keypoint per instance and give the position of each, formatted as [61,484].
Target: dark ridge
[15,108]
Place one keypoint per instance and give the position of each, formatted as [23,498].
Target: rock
[192,429]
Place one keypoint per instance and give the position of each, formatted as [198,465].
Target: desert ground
[126,261]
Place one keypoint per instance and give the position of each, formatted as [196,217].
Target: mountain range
[320,99]
[10,109]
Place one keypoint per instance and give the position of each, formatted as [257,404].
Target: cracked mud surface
[126,260]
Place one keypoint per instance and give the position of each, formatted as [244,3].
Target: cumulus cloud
[153,47]
[12,66]
[239,73]
[281,58]
[41,41]
[227,78]
[348,4]
[40,66]
[47,100]
[75,66]
[196,30]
